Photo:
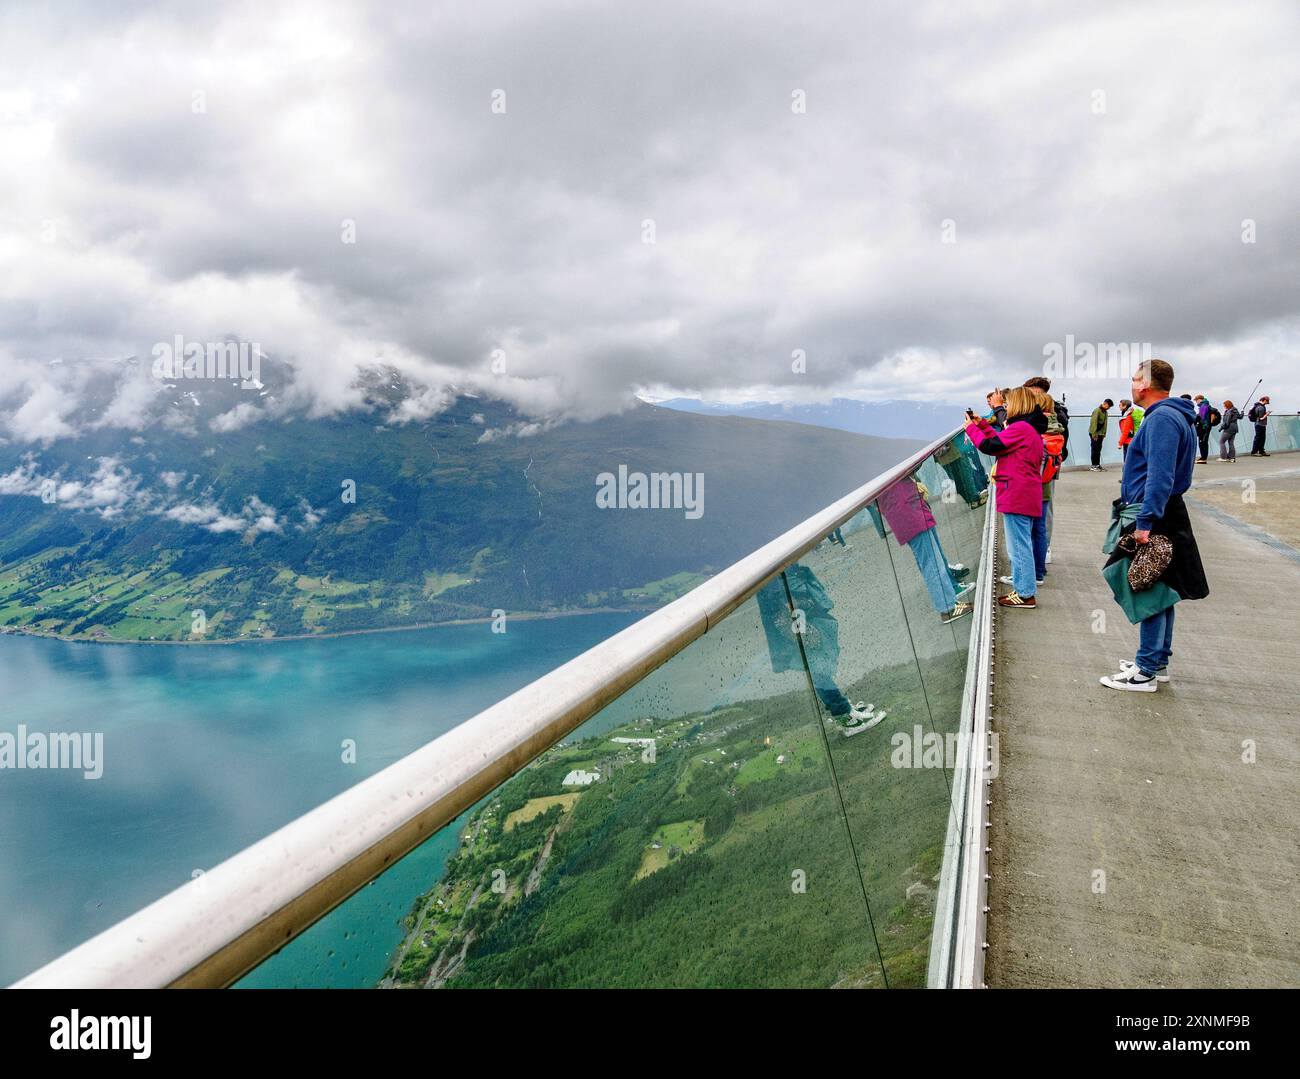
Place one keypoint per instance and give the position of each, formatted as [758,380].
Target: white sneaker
[1132,680]
[1162,675]
[860,720]
[1006,580]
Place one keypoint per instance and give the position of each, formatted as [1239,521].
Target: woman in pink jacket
[1019,479]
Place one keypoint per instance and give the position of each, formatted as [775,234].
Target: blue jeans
[933,564]
[1157,641]
[1039,537]
[822,649]
[1020,549]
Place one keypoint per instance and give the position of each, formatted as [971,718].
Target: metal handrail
[215,928]
[956,948]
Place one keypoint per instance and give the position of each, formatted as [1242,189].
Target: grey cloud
[774,231]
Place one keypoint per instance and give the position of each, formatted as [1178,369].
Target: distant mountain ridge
[225,517]
[881,419]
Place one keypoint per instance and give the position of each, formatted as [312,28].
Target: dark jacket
[1186,574]
[1063,418]
[1203,424]
[1157,472]
[1231,422]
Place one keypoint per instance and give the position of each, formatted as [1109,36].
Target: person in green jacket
[1097,431]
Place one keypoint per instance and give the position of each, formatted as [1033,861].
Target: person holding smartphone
[1019,479]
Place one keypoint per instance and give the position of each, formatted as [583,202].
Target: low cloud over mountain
[465,194]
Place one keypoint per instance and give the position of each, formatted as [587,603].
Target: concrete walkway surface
[1132,842]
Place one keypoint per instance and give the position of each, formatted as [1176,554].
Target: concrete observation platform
[1134,842]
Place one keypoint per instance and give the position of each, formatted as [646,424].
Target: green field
[670,842]
[535,807]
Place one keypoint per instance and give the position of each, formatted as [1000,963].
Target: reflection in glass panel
[894,792]
[687,835]
[769,808]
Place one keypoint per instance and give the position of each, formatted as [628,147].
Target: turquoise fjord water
[207,749]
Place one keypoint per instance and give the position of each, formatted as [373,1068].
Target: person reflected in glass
[954,461]
[805,614]
[906,509]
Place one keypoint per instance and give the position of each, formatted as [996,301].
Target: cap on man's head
[1264,398]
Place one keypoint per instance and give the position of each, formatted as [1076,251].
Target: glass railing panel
[955,484]
[961,524]
[689,834]
[1283,437]
[1081,443]
[936,585]
[899,662]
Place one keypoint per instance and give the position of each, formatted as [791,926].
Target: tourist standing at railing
[1156,474]
[1053,456]
[1207,419]
[1228,433]
[1058,410]
[1259,414]
[1019,480]
[1130,418]
[1097,428]
[997,413]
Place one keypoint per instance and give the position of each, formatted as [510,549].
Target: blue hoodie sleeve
[1161,455]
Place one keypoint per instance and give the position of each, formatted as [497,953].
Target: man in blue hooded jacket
[1157,472]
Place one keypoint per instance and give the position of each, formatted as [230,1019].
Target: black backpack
[1063,418]
[1215,417]
[1256,411]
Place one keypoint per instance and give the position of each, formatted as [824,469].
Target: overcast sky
[191,170]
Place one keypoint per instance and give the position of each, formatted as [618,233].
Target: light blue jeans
[933,564]
[1156,641]
[1020,549]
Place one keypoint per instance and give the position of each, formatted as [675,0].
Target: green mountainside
[455,515]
